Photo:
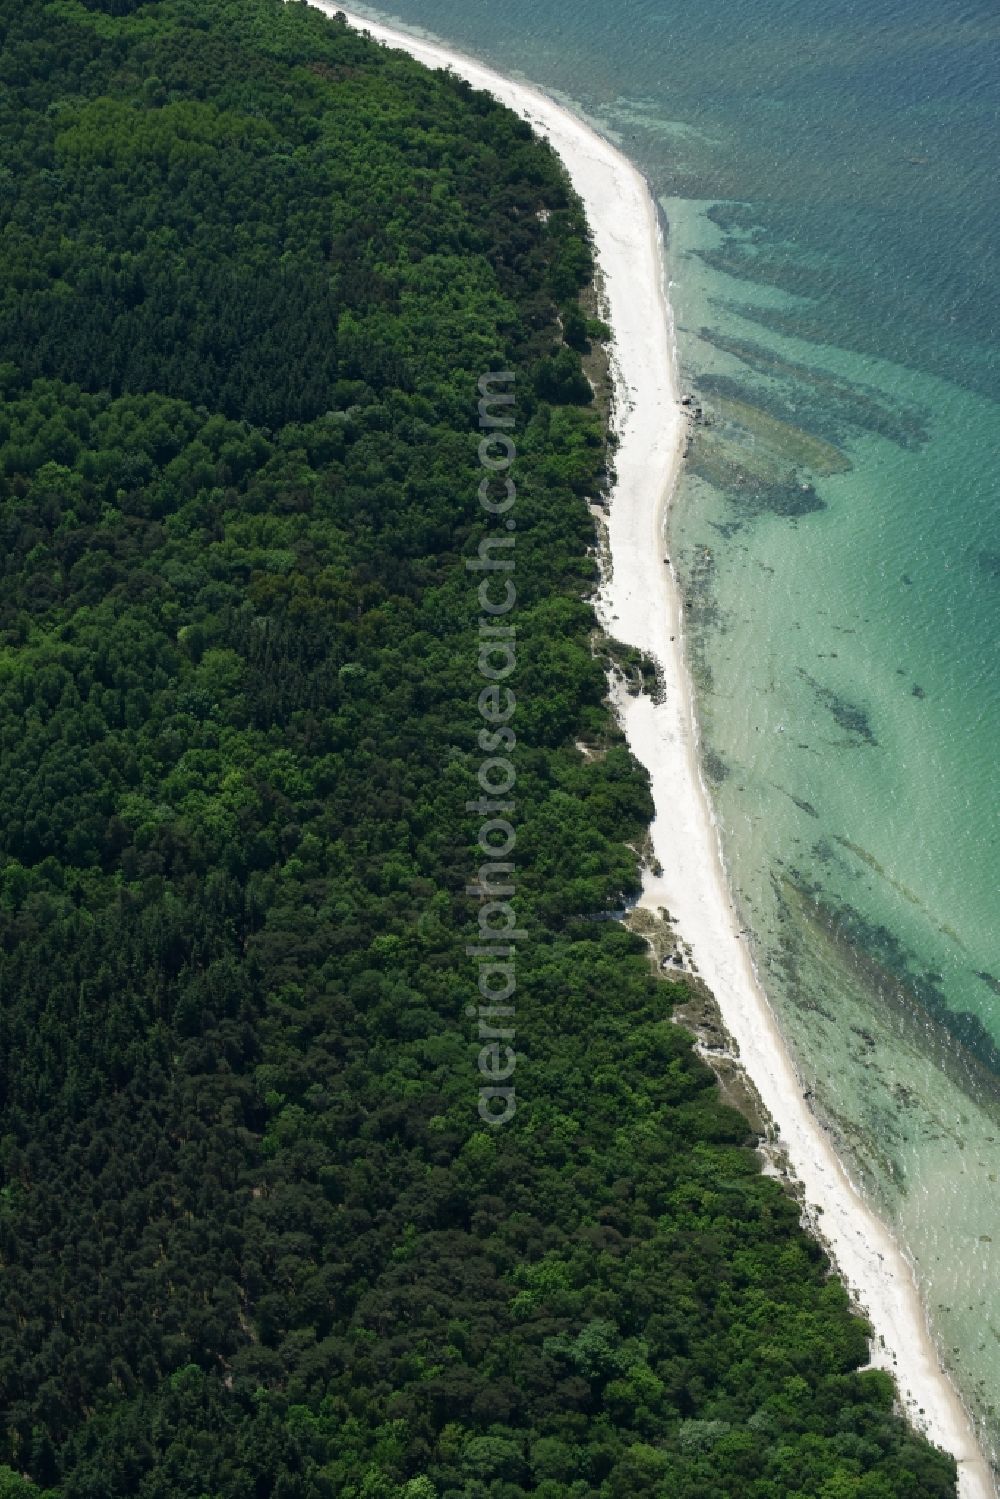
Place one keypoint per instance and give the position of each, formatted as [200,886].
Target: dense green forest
[256,1241]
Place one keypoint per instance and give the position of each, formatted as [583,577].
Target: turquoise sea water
[827,172]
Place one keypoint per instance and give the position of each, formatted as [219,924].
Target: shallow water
[826,170]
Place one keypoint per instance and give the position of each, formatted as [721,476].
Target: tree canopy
[255,1239]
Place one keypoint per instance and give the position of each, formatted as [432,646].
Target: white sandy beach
[639,605]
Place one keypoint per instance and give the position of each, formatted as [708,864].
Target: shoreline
[639,604]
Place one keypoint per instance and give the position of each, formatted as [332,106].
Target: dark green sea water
[828,173]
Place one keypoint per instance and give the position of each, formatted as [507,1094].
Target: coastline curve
[639,603]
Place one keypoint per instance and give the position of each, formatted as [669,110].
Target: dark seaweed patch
[715,767]
[876,944]
[735,218]
[848,716]
[790,500]
[783,405]
[817,401]
[748,494]
[802,805]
